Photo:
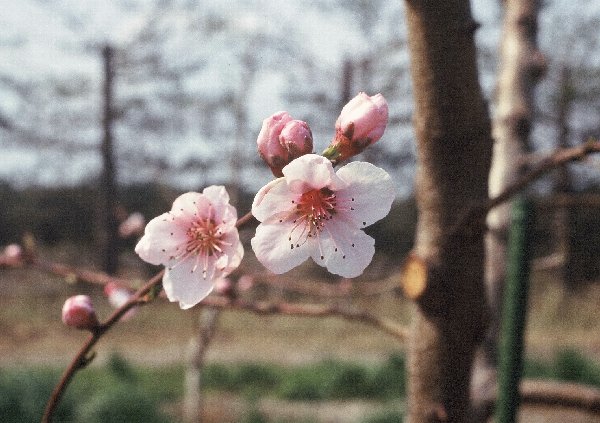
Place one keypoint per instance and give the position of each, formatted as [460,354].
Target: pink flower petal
[274,250]
[278,200]
[186,204]
[347,251]
[162,239]
[184,284]
[370,192]
[310,171]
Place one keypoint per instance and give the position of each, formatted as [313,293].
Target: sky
[58,41]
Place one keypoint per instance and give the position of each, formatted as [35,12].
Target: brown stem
[243,221]
[549,393]
[310,310]
[557,159]
[83,357]
[477,211]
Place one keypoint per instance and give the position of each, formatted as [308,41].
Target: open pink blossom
[315,212]
[197,242]
[361,123]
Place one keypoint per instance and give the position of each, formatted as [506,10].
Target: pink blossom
[133,225]
[13,251]
[245,283]
[223,286]
[315,212]
[197,242]
[282,139]
[78,311]
[360,124]
[117,297]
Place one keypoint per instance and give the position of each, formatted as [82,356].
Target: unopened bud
[283,139]
[13,251]
[361,123]
[133,225]
[245,283]
[223,286]
[296,138]
[117,297]
[78,311]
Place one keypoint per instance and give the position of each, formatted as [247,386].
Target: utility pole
[108,187]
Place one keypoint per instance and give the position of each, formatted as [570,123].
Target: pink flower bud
[117,296]
[13,251]
[282,139]
[223,286]
[78,311]
[245,283]
[133,225]
[360,124]
[296,138]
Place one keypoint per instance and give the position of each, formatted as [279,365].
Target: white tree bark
[521,65]
[192,385]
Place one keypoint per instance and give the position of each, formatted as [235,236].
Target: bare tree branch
[309,310]
[552,394]
[555,160]
[85,356]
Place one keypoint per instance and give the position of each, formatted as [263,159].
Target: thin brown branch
[73,273]
[143,295]
[243,221]
[310,310]
[561,394]
[555,160]
[84,356]
[552,394]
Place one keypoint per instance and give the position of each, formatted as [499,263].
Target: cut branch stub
[421,281]
[413,278]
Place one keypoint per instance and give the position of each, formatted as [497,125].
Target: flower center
[204,238]
[313,209]
[316,206]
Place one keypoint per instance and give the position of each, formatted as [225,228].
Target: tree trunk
[454,149]
[521,66]
[192,395]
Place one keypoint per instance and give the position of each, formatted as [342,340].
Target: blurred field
[31,334]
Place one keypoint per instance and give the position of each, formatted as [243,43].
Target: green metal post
[514,312]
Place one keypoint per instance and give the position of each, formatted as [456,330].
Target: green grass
[119,391]
[325,380]
[568,365]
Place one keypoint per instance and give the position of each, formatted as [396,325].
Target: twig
[242,221]
[561,394]
[83,357]
[558,158]
[70,272]
[548,393]
[342,288]
[309,310]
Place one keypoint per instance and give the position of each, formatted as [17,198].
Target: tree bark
[521,66]
[453,156]
[197,349]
